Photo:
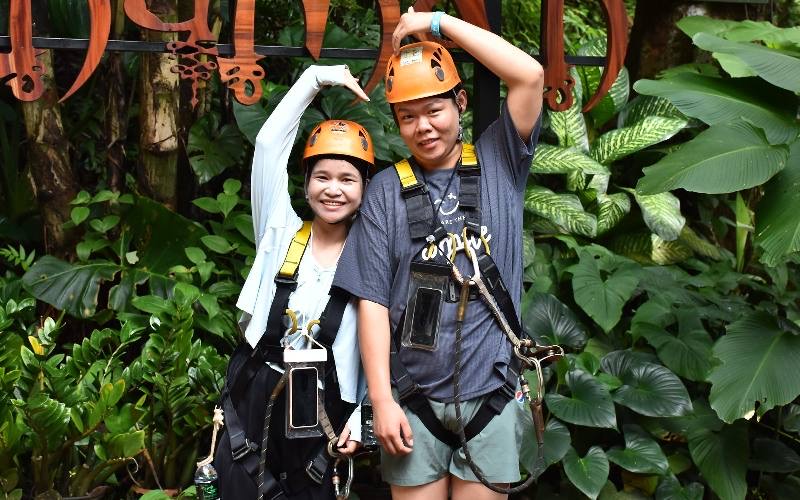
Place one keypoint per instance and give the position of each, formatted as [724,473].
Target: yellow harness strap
[468,156]
[406,173]
[296,250]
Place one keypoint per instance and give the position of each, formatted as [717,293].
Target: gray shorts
[495,450]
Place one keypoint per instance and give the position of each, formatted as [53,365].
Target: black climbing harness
[252,372]
[487,281]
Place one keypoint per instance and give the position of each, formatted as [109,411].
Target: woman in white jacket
[336,162]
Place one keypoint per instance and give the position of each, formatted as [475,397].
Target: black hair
[451,94]
[364,168]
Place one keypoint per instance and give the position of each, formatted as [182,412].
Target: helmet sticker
[411,56]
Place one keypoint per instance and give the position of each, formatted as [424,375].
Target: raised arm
[269,177]
[522,74]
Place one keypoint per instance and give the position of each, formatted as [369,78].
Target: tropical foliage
[661,250]
[682,327]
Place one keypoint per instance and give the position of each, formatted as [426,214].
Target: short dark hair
[364,168]
[450,94]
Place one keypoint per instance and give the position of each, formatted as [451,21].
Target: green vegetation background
[662,233]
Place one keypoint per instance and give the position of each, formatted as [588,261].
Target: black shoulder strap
[331,318]
[285,284]
[419,209]
[469,197]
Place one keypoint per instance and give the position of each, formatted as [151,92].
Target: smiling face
[334,190]
[429,127]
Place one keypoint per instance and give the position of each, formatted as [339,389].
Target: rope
[218,422]
[527,362]
[457,398]
[262,463]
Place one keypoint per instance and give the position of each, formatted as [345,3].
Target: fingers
[350,448]
[343,436]
[351,83]
[408,436]
[401,30]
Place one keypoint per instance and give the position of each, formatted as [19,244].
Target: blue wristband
[435,20]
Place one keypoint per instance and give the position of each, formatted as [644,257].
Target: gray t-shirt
[375,261]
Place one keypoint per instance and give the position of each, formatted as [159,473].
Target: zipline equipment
[241,455]
[422,69]
[528,354]
[340,138]
[425,227]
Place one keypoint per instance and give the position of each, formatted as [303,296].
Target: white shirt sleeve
[269,177]
[354,422]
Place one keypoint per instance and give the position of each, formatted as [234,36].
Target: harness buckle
[290,282]
[313,472]
[417,189]
[244,449]
[508,390]
[405,389]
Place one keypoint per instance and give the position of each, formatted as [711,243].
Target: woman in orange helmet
[449,204]
[285,300]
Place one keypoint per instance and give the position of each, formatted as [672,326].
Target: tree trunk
[158,116]
[50,172]
[116,119]
[656,43]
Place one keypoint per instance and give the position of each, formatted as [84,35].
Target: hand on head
[411,23]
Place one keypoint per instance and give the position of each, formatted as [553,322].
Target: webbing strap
[406,174]
[419,209]
[285,284]
[469,197]
[410,395]
[494,283]
[295,253]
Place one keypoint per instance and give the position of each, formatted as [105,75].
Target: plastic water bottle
[368,439]
[205,482]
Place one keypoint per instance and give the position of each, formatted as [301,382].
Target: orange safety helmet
[343,138]
[422,69]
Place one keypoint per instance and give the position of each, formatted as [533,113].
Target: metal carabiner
[342,493]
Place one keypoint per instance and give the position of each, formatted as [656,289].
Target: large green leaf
[588,474]
[670,489]
[570,125]
[688,353]
[49,419]
[557,160]
[212,148]
[72,288]
[759,361]
[622,142]
[590,77]
[250,118]
[589,402]
[662,214]
[647,105]
[549,321]
[602,288]
[782,486]
[647,388]
[774,66]
[722,458]
[565,210]
[610,210]
[778,229]
[771,455]
[556,444]
[717,101]
[723,159]
[642,454]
